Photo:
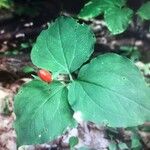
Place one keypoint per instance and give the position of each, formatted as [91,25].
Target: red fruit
[45,75]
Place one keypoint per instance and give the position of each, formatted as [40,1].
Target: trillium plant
[107,90]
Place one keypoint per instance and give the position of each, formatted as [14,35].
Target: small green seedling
[73,141]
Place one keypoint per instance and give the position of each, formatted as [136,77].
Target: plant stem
[70,76]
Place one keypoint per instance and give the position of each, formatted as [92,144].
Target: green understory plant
[117,14]
[5,4]
[131,139]
[107,90]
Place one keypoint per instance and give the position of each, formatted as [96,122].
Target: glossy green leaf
[118,19]
[73,141]
[64,46]
[144,11]
[95,7]
[28,69]
[91,10]
[123,146]
[42,112]
[111,90]
[135,143]
[112,146]
[5,4]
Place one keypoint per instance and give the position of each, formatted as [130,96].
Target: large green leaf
[91,10]
[111,90]
[5,3]
[95,7]
[42,112]
[117,19]
[64,46]
[144,11]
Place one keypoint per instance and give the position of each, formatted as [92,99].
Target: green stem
[70,76]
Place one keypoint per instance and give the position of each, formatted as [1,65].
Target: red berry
[45,75]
